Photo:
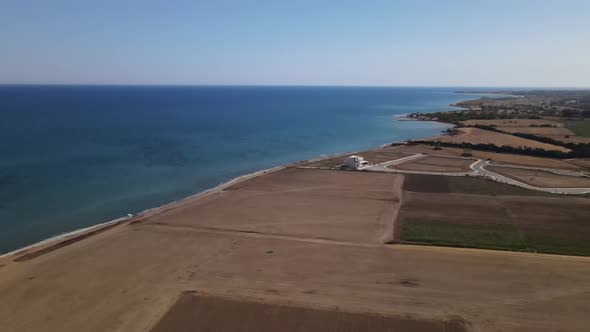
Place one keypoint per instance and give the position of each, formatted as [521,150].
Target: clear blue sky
[415,43]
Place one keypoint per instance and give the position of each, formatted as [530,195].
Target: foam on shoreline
[155,210]
[143,214]
[64,236]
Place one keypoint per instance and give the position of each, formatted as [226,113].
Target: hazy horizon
[477,88]
[504,44]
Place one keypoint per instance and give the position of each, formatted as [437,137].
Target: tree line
[579,150]
[536,152]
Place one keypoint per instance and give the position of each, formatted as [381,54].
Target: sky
[518,43]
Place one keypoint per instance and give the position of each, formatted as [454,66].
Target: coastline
[277,241]
[145,168]
[82,233]
[62,240]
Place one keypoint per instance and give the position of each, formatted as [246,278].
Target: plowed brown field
[436,164]
[513,122]
[539,178]
[296,250]
[479,136]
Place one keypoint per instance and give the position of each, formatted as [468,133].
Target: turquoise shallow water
[74,156]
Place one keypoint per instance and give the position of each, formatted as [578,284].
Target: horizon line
[297,85]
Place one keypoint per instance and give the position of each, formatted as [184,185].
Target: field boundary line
[389,234]
[496,252]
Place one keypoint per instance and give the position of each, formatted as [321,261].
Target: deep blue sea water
[74,156]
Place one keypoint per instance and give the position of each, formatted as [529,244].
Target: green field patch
[498,237]
[474,236]
[579,127]
[465,185]
[558,245]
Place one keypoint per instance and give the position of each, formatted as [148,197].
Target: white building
[355,162]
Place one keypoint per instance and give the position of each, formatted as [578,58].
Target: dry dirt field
[479,136]
[324,162]
[522,223]
[436,164]
[194,312]
[538,131]
[424,149]
[382,155]
[372,156]
[299,202]
[327,162]
[128,278]
[558,132]
[541,178]
[581,161]
[512,122]
[396,152]
[505,158]
[169,270]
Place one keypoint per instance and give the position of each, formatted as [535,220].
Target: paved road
[550,170]
[478,168]
[402,160]
[384,167]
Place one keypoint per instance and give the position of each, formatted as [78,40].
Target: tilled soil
[193,312]
[436,164]
[540,178]
[480,136]
[130,278]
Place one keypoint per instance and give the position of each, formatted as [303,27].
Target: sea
[76,156]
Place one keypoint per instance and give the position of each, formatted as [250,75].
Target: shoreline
[81,233]
[55,242]
[135,218]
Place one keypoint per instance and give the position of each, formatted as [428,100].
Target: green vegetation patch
[474,236]
[464,185]
[558,245]
[497,237]
[579,127]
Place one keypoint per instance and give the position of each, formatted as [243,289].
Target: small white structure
[355,162]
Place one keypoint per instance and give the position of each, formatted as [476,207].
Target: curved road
[478,168]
